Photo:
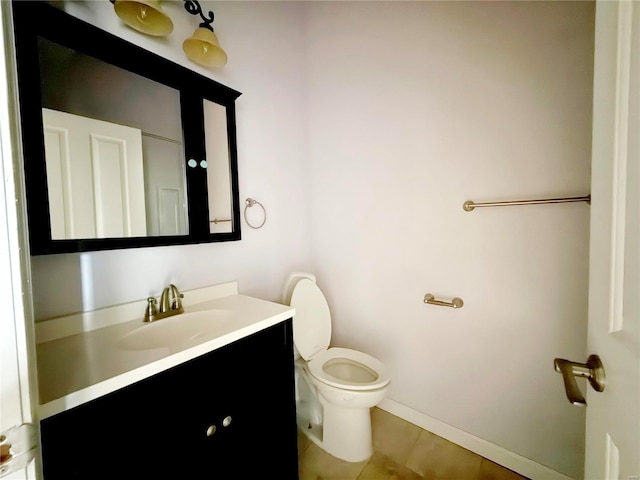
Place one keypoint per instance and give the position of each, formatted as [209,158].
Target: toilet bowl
[335,387]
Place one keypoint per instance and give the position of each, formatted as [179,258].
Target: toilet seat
[342,368]
[348,369]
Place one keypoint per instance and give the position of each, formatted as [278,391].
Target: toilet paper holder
[454,303]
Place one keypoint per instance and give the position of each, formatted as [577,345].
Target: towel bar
[469,205]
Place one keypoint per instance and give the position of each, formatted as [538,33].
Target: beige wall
[413,109]
[362,128]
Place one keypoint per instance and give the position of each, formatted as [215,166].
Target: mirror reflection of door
[218,172]
[165,185]
[95,181]
[81,85]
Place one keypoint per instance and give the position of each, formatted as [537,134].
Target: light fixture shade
[203,48]
[146,16]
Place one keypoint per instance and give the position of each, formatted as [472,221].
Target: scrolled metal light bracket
[194,8]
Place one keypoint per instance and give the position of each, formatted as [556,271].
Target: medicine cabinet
[122,148]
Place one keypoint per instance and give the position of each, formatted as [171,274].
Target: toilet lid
[312,321]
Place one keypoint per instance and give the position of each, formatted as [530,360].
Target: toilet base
[350,441]
[339,420]
[347,432]
[314,433]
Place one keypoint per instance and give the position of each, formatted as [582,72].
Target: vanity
[216,402]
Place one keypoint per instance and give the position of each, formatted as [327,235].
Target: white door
[94,176]
[16,364]
[15,401]
[613,416]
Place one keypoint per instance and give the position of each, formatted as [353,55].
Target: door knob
[592,370]
[17,448]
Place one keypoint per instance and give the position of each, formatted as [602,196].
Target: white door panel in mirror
[96,187]
[164,178]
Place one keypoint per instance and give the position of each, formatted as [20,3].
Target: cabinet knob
[211,430]
[226,421]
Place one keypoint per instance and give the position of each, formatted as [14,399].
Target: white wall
[414,108]
[265,59]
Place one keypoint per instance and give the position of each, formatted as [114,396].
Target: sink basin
[181,330]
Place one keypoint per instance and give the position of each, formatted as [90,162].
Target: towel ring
[250,202]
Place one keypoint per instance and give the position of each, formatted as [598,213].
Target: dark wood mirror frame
[33,20]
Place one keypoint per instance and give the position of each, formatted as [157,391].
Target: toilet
[335,387]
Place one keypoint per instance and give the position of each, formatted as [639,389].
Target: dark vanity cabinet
[122,148]
[226,414]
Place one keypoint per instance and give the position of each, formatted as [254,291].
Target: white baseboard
[488,450]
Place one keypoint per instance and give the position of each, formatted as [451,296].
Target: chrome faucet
[170,304]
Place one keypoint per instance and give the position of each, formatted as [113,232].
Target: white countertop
[76,368]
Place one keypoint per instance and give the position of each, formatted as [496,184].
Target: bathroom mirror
[113,149]
[122,148]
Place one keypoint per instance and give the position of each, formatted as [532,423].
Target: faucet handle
[151,310]
[177,303]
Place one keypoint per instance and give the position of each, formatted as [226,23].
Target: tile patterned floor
[402,451]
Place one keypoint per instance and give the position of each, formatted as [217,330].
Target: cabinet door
[244,396]
[195,156]
[102,439]
[202,413]
[269,403]
[212,167]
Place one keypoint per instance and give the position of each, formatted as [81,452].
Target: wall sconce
[147,16]
[203,47]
